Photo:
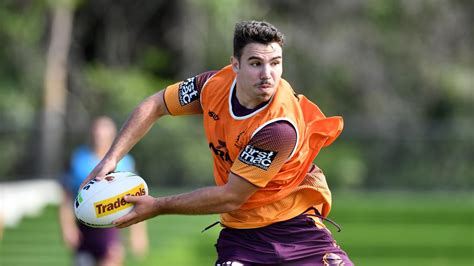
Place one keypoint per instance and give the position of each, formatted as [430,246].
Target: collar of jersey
[236,117]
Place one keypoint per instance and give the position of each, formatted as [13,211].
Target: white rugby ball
[99,203]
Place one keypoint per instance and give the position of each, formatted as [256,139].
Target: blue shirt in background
[83,162]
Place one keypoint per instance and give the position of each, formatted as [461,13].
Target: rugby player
[263,138]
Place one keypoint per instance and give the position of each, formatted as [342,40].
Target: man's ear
[235,64]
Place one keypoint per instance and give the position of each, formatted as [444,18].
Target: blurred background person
[96,246]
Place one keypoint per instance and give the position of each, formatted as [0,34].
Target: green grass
[385,228]
[406,228]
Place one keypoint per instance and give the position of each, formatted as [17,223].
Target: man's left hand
[145,208]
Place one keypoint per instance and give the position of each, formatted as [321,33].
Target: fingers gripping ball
[99,203]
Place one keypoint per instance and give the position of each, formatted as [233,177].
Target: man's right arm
[181,98]
[135,128]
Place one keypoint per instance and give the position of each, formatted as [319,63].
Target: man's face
[258,73]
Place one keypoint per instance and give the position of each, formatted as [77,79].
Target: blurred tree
[55,87]
[22,25]
[369,61]
[399,72]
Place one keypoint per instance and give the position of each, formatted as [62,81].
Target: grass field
[383,228]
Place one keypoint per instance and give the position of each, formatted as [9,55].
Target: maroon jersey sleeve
[262,158]
[183,98]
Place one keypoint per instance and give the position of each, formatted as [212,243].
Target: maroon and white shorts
[297,241]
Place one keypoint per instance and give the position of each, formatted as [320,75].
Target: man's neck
[245,100]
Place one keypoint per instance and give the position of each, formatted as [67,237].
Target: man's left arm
[208,200]
[244,180]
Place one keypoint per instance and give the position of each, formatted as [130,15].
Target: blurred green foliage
[399,72]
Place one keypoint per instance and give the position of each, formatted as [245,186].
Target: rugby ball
[99,203]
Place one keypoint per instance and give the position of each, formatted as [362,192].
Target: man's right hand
[105,167]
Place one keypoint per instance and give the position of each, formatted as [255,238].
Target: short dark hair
[255,31]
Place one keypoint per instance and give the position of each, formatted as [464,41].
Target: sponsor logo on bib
[188,91]
[220,151]
[257,157]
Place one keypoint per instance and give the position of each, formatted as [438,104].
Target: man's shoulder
[225,72]
[216,88]
[279,128]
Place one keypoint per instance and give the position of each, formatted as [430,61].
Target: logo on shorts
[188,91]
[257,157]
[230,263]
[332,259]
